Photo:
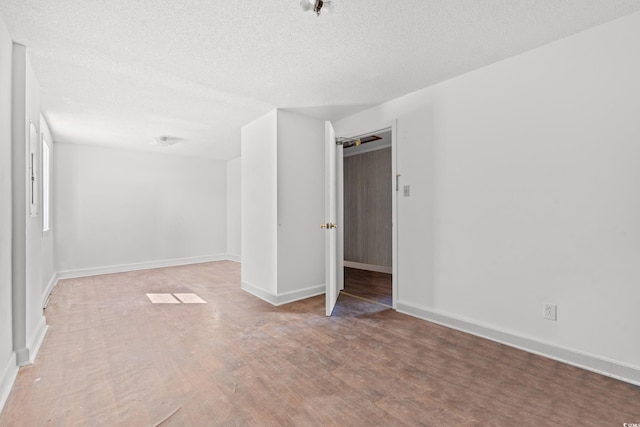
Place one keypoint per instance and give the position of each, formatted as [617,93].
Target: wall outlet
[551,312]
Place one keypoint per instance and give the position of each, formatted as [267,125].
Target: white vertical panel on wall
[36,326]
[28,322]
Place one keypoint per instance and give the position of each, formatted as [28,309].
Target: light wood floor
[111,358]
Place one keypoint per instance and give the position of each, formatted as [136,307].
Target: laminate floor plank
[370,285]
[113,358]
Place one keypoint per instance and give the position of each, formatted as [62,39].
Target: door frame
[395,177]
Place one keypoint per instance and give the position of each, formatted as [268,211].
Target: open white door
[330,218]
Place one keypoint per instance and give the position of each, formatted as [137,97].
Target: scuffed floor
[113,358]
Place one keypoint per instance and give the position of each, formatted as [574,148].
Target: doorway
[368,192]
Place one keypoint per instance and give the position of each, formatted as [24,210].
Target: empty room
[309,213]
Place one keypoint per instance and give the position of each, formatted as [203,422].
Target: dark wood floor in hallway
[112,358]
[370,285]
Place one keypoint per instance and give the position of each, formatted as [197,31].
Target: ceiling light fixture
[165,141]
[317,6]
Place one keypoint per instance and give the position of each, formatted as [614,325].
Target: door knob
[328,226]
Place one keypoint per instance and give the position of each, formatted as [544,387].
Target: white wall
[233,208]
[300,202]
[8,368]
[283,207]
[22,324]
[116,207]
[28,322]
[35,318]
[524,190]
[259,203]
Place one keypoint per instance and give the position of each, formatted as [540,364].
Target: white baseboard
[47,292]
[285,297]
[233,257]
[146,265]
[27,355]
[123,268]
[8,376]
[368,267]
[291,296]
[36,340]
[590,362]
[258,292]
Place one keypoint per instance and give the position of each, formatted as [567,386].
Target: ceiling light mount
[317,6]
[165,141]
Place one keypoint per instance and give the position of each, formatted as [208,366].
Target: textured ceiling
[120,73]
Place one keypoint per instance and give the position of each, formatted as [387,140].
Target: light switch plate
[406,191]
